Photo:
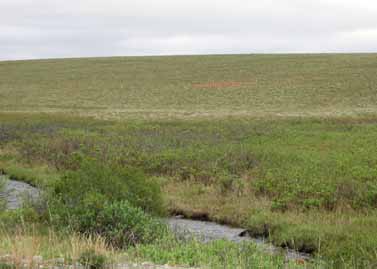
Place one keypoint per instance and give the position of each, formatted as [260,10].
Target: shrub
[113,183]
[225,182]
[13,218]
[312,203]
[7,266]
[90,259]
[280,204]
[107,201]
[121,224]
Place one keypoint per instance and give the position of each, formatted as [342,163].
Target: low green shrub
[22,216]
[7,266]
[107,201]
[120,223]
[225,183]
[92,260]
[114,183]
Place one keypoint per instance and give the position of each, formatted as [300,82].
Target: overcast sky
[77,28]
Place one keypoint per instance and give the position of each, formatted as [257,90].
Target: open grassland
[193,86]
[283,145]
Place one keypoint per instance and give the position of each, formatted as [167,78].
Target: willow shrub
[116,202]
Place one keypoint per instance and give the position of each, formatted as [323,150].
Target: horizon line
[186,55]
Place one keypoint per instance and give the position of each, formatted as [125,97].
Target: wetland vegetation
[291,157]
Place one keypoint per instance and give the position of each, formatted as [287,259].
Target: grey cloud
[57,28]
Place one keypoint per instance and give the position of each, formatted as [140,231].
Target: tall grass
[29,247]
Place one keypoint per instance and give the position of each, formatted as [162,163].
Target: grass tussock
[30,247]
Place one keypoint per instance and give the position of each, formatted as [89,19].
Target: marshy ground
[282,145]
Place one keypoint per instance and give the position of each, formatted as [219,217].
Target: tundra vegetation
[284,146]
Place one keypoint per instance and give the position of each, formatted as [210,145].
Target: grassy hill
[194,86]
[284,145]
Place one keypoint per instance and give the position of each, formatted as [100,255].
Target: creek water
[207,231]
[14,193]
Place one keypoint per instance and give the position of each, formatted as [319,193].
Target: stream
[207,231]
[14,193]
